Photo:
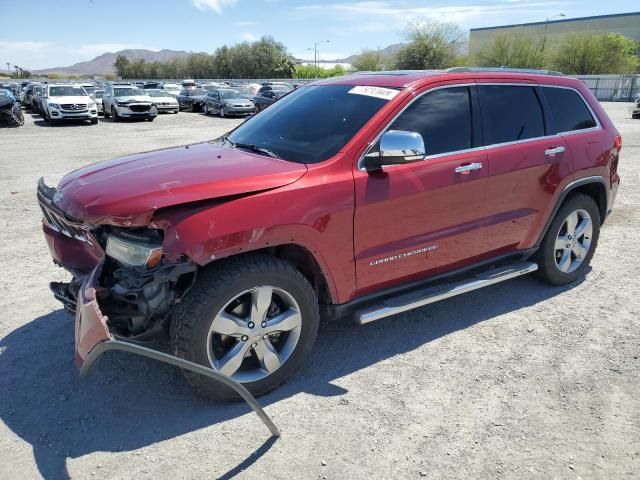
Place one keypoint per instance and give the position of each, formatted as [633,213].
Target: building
[627,24]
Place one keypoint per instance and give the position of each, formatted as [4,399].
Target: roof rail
[502,69]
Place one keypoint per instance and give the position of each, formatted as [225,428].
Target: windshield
[196,91]
[289,130]
[89,89]
[233,94]
[66,91]
[127,92]
[99,93]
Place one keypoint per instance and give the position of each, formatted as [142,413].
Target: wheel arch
[301,258]
[595,187]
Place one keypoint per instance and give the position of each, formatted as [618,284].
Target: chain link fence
[613,88]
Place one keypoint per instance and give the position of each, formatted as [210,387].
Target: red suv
[362,196]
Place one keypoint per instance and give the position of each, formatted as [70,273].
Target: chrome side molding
[434,294]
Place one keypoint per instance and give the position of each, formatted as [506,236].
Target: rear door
[528,163]
[415,219]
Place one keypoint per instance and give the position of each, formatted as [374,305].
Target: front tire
[570,242]
[114,114]
[254,318]
[205,109]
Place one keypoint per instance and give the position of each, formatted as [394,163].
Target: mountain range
[103,64]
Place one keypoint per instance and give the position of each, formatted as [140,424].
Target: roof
[405,78]
[564,20]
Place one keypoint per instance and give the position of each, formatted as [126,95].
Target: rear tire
[238,283]
[570,242]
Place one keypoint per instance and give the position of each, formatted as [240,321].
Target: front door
[417,219]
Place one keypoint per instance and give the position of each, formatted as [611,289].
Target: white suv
[127,101]
[68,102]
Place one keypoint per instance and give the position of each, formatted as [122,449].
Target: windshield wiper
[253,148]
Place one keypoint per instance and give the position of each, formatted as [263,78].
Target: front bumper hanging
[93,339]
[107,345]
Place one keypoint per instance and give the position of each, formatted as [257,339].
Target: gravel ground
[520,380]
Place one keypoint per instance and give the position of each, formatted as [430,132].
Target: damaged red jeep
[361,197]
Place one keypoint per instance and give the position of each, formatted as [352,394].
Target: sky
[63,32]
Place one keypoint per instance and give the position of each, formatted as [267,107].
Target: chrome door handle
[554,151]
[469,167]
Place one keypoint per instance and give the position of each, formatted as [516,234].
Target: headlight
[91,105]
[133,254]
[122,104]
[54,105]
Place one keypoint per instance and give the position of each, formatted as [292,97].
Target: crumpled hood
[127,191]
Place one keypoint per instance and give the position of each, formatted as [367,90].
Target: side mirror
[397,147]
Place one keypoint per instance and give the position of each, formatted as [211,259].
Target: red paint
[344,217]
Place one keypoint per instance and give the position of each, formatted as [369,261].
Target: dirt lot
[518,381]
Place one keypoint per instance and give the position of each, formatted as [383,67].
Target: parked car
[163,101]
[279,85]
[227,101]
[172,88]
[191,98]
[68,102]
[27,100]
[151,85]
[90,88]
[37,98]
[189,83]
[266,97]
[10,110]
[635,109]
[97,97]
[360,197]
[127,101]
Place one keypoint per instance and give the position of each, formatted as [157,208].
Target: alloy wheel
[573,241]
[254,333]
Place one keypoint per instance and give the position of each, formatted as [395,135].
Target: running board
[420,298]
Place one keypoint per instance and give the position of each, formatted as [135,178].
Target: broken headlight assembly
[135,250]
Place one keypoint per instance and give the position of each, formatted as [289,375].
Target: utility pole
[546,25]
[316,55]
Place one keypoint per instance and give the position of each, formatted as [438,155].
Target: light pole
[9,69]
[314,59]
[316,54]
[546,25]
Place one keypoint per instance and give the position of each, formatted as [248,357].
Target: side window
[442,117]
[510,113]
[568,109]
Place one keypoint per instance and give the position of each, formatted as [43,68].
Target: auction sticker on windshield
[378,92]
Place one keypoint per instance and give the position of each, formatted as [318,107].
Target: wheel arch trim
[571,187]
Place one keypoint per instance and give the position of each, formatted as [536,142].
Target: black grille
[56,220]
[139,108]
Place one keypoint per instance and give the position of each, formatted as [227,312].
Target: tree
[371,61]
[584,54]
[430,45]
[516,50]
[121,64]
[309,71]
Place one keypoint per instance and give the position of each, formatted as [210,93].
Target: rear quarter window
[568,109]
